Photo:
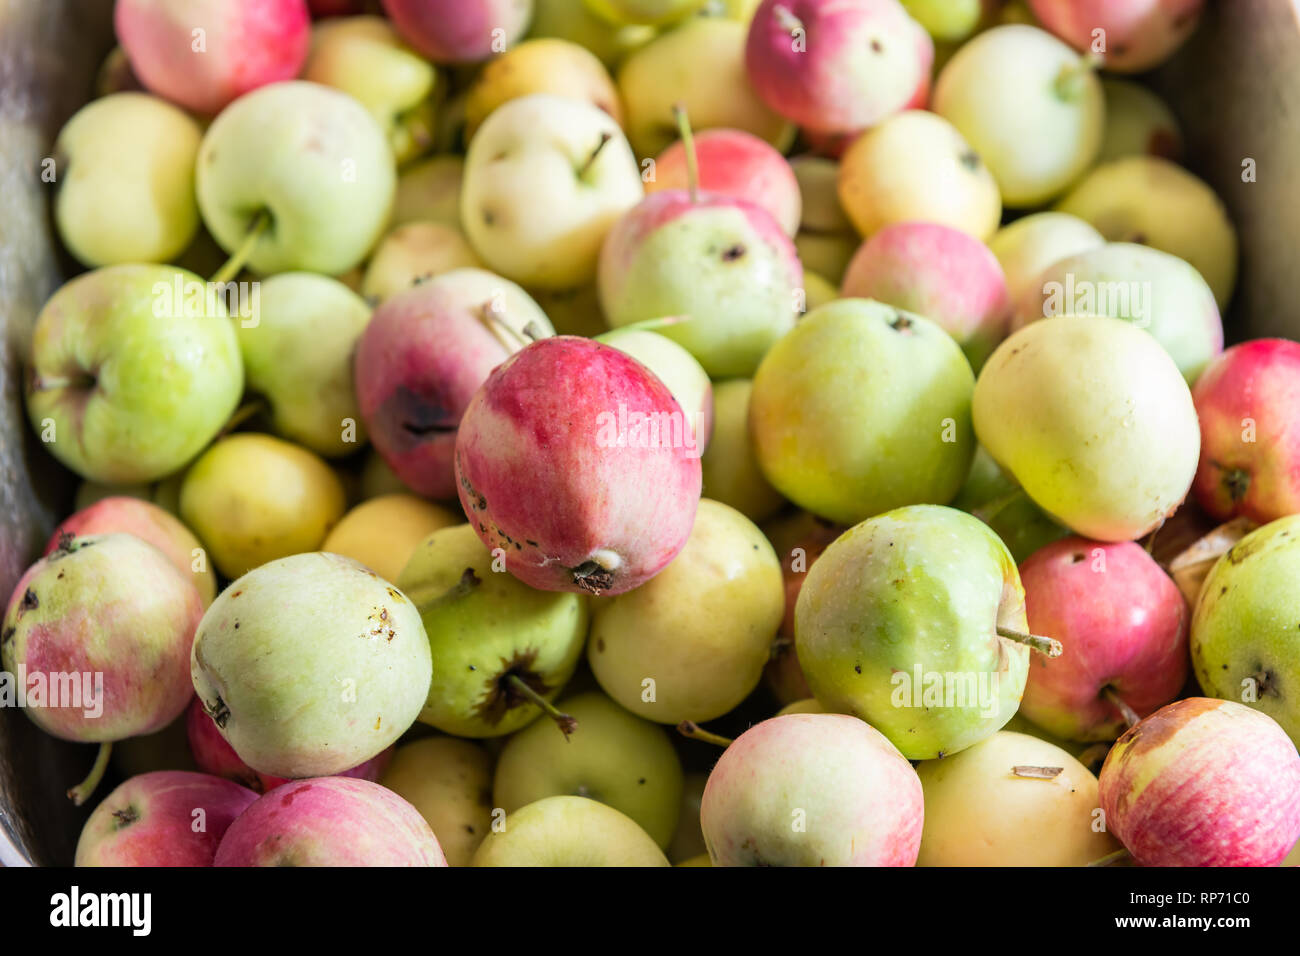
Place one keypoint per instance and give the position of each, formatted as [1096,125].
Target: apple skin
[383,532]
[1203,783]
[723,262]
[1000,503]
[730,468]
[423,357]
[572,20]
[132,398]
[110,605]
[861,798]
[644,12]
[246,44]
[1250,391]
[314,160]
[938,272]
[152,820]
[460,31]
[147,521]
[330,821]
[854,63]
[540,471]
[450,782]
[1123,625]
[1140,34]
[412,253]
[569,831]
[1241,640]
[677,369]
[1029,245]
[897,572]
[1138,122]
[535,204]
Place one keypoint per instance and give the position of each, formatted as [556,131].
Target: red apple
[1123,625]
[1139,34]
[1248,402]
[460,31]
[1203,782]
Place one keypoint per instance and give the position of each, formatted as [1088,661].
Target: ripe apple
[460,31]
[676,368]
[690,644]
[863,408]
[450,782]
[1203,783]
[545,178]
[914,166]
[1029,105]
[429,191]
[134,369]
[812,790]
[1136,35]
[934,671]
[382,533]
[412,253]
[730,469]
[1029,245]
[568,831]
[1092,417]
[202,54]
[1138,122]
[1000,503]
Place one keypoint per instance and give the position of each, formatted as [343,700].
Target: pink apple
[938,272]
[330,821]
[1139,34]
[1123,625]
[1248,402]
[164,818]
[202,54]
[738,164]
[460,31]
[577,462]
[834,67]
[1203,782]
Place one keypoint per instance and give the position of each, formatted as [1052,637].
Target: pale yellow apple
[731,472]
[382,533]
[1029,245]
[412,253]
[450,782]
[568,831]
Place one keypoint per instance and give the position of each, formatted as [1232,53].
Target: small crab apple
[577,460]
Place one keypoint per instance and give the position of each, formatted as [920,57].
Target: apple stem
[493,316]
[1044,645]
[1069,82]
[567,723]
[1128,713]
[787,19]
[241,414]
[604,138]
[241,254]
[1110,858]
[689,728]
[82,791]
[688,143]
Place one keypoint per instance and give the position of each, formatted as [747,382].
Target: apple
[647,12]
[834,67]
[450,782]
[500,648]
[568,831]
[736,164]
[1093,419]
[1029,245]
[676,368]
[1149,200]
[1029,105]
[1011,800]
[915,166]
[134,369]
[1203,783]
[1138,122]
[939,272]
[572,20]
[202,54]
[1250,456]
[364,57]
[429,191]
[825,255]
[382,533]
[1152,289]
[125,167]
[166,818]
[1000,503]
[577,461]
[545,179]
[947,21]
[730,469]
[935,671]
[1123,624]
[413,253]
[700,65]
[377,479]
[296,176]
[252,498]
[460,31]
[423,357]
[812,790]
[863,408]
[1131,36]
[819,208]
[817,290]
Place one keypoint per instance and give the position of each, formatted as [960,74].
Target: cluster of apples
[931,446]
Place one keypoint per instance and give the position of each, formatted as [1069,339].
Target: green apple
[1157,203]
[1000,503]
[1245,640]
[571,20]
[300,171]
[676,368]
[647,12]
[496,643]
[818,179]
[731,471]
[450,782]
[614,757]
[863,408]
[1029,245]
[817,290]
[429,191]
[688,838]
[946,21]
[827,254]
[133,370]
[412,253]
[900,623]
[545,178]
[125,173]
[1093,419]
[690,643]
[1138,122]
[366,58]
[568,831]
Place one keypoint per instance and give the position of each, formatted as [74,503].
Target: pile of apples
[916,295]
